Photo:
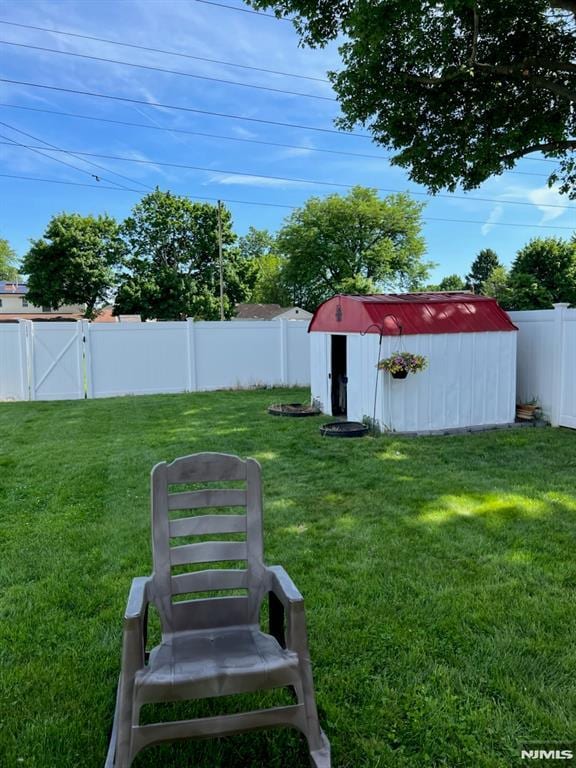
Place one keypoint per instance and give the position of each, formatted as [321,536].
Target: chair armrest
[283,587]
[138,599]
[286,605]
[135,626]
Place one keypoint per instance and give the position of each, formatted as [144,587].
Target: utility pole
[220,259]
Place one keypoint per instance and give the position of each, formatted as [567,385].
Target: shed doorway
[338,375]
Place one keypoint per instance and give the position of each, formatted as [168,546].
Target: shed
[469,342]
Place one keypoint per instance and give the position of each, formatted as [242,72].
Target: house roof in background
[411,313]
[39,317]
[268,312]
[258,311]
[12,288]
[105,315]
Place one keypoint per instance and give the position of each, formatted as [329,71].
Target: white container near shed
[469,342]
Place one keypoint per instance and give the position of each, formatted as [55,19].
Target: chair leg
[320,758]
[122,731]
[318,744]
[110,755]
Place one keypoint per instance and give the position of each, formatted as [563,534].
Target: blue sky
[210,31]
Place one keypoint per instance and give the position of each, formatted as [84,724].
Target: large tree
[8,261]
[356,243]
[258,248]
[74,262]
[543,273]
[460,89]
[482,267]
[172,270]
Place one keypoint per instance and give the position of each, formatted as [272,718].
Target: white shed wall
[470,380]
[319,370]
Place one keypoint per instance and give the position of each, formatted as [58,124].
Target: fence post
[558,372]
[31,355]
[87,357]
[25,350]
[191,378]
[283,352]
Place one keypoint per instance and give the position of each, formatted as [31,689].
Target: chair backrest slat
[217,497]
[212,612]
[206,524]
[208,552]
[206,468]
[202,469]
[209,581]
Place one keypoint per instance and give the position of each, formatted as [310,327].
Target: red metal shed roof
[414,313]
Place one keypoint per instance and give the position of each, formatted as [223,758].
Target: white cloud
[144,167]
[252,181]
[544,196]
[493,217]
[305,149]
[243,133]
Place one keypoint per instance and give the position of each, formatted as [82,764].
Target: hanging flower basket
[400,364]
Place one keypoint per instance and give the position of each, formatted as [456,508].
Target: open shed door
[338,375]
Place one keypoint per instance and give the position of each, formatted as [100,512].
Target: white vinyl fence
[14,372]
[547,361]
[58,361]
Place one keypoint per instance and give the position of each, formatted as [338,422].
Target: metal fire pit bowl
[293,409]
[344,429]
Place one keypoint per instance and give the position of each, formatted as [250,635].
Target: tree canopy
[496,286]
[460,89]
[482,267]
[74,262]
[8,261]
[258,247]
[172,267]
[356,243]
[543,273]
[449,283]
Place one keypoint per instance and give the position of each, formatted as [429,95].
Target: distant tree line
[163,263]
[542,274]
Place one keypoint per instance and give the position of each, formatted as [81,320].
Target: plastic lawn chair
[212,646]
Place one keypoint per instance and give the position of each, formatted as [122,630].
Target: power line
[314,182]
[194,133]
[220,136]
[180,108]
[244,10]
[164,51]
[213,61]
[138,191]
[72,154]
[258,203]
[151,68]
[57,160]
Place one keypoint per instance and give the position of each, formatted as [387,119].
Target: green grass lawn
[439,575]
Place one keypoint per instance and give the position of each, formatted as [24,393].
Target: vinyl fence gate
[75,360]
